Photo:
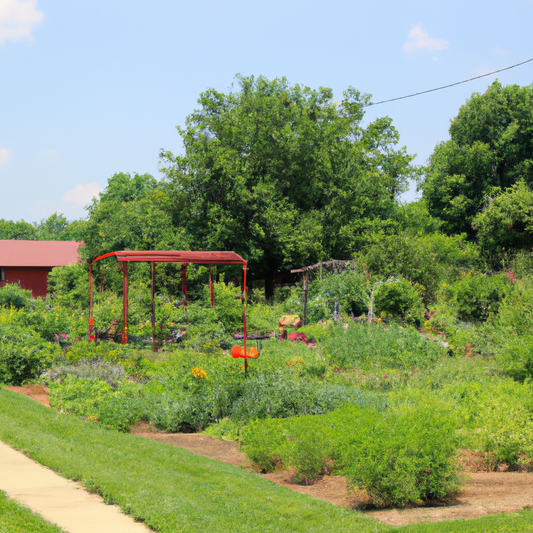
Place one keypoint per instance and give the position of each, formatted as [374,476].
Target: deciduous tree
[490,149]
[282,174]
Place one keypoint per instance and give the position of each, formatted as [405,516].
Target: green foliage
[400,300]
[21,230]
[403,455]
[507,223]
[97,400]
[475,296]
[69,285]
[489,150]
[130,215]
[414,218]
[516,358]
[277,148]
[349,289]
[427,260]
[54,228]
[24,354]
[11,295]
[374,346]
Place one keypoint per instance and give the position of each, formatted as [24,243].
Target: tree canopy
[490,149]
[130,215]
[282,174]
[507,223]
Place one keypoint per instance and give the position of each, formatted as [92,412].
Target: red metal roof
[175,256]
[38,253]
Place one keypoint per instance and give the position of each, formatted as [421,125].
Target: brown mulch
[485,493]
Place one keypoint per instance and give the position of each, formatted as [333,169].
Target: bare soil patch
[228,452]
[37,392]
[485,492]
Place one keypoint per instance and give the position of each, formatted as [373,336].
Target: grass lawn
[172,489]
[15,518]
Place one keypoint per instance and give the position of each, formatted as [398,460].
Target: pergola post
[306,287]
[154,344]
[211,287]
[243,297]
[125,302]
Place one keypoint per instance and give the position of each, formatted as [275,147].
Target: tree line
[285,176]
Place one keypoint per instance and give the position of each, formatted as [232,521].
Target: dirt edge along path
[485,492]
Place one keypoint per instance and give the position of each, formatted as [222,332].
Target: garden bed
[486,493]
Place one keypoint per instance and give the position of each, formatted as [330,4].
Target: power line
[446,86]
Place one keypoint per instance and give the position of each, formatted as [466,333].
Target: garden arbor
[172,256]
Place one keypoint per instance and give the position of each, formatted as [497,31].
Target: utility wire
[446,86]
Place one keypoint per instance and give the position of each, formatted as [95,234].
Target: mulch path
[485,493]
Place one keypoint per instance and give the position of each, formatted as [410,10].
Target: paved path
[58,500]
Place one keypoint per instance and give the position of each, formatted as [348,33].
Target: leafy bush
[278,395]
[476,296]
[407,456]
[24,354]
[404,455]
[401,300]
[11,295]
[69,285]
[428,260]
[97,400]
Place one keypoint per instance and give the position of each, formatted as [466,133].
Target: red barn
[30,262]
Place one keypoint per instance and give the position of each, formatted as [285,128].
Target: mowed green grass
[172,490]
[15,518]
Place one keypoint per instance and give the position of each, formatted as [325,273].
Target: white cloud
[420,40]
[5,155]
[17,20]
[82,194]
[49,155]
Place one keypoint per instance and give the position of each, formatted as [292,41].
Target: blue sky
[89,88]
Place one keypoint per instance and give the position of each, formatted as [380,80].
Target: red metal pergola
[173,256]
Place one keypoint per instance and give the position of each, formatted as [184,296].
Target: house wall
[32,278]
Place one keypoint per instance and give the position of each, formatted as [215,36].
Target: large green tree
[490,149]
[130,215]
[282,174]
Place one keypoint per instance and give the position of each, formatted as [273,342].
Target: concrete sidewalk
[58,500]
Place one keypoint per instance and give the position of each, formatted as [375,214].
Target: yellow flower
[199,373]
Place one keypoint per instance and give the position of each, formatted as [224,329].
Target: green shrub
[24,354]
[69,285]
[11,295]
[476,296]
[403,455]
[406,456]
[401,300]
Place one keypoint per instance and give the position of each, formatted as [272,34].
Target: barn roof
[38,253]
